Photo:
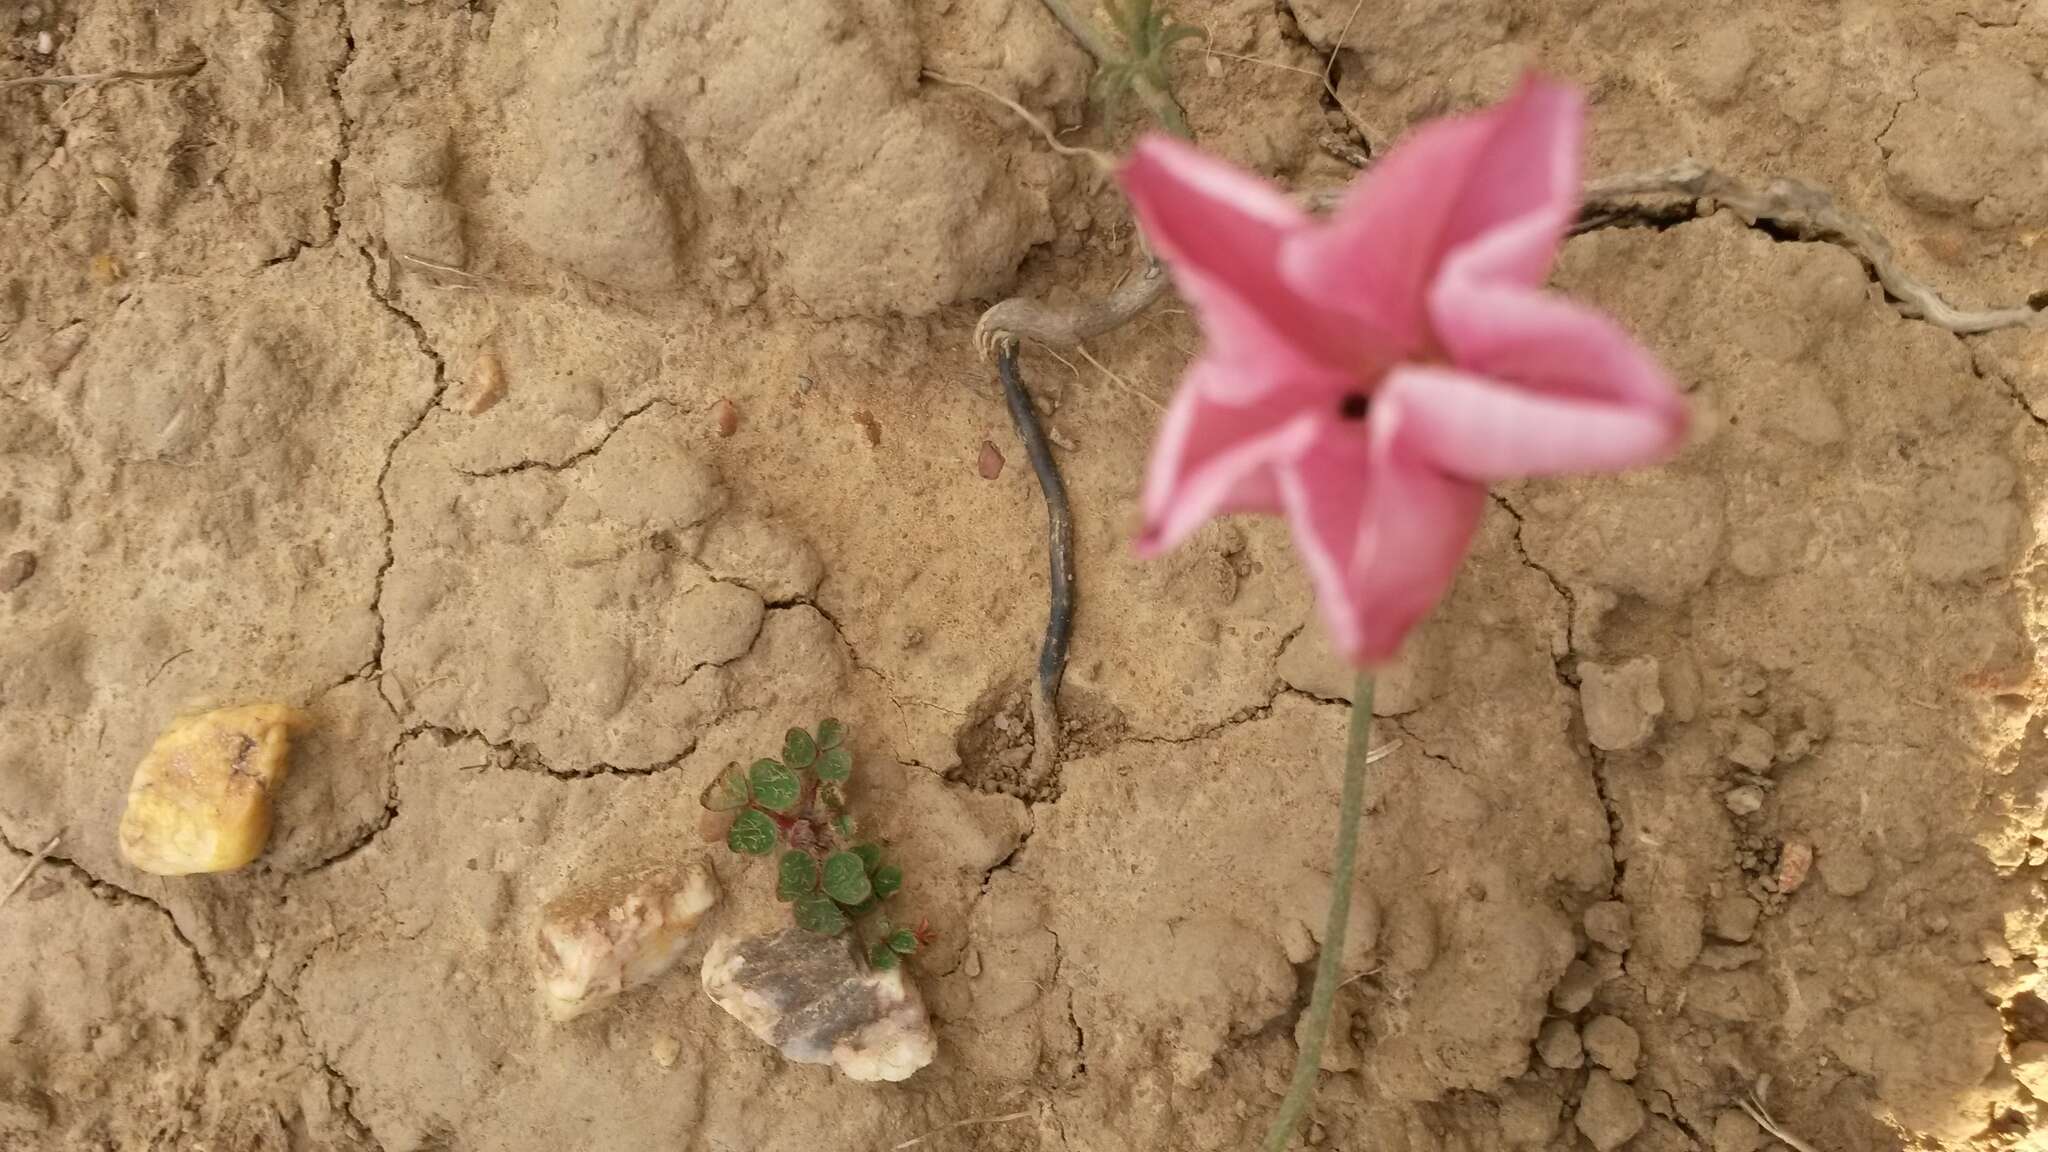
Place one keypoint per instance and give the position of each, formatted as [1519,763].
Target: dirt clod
[1609,1114]
[1609,925]
[1576,988]
[1622,703]
[1612,1044]
[1559,1046]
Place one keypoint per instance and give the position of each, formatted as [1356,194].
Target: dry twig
[1750,1104]
[29,869]
[1808,213]
[87,79]
[969,1122]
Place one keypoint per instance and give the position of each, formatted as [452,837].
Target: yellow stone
[200,801]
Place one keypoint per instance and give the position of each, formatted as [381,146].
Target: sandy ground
[379,366]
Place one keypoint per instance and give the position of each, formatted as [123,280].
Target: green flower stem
[1163,107]
[1349,812]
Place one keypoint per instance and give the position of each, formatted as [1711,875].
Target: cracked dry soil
[252,324]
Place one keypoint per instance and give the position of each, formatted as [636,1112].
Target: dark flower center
[1353,407]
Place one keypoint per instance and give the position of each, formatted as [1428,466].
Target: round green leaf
[775,787]
[888,879]
[844,823]
[728,791]
[798,749]
[819,914]
[846,878]
[796,875]
[902,940]
[753,833]
[830,733]
[870,855]
[880,957]
[835,764]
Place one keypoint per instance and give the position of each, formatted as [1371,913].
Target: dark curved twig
[1059,624]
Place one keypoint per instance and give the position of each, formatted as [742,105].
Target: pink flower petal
[1380,531]
[1214,457]
[1220,231]
[1483,431]
[1540,386]
[1376,255]
[1497,188]
[1522,192]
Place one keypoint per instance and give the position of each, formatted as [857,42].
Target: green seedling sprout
[795,810]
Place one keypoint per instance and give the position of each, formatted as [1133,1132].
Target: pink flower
[1369,375]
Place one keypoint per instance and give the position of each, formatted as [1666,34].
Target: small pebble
[665,1050]
[1557,1045]
[1745,800]
[990,462]
[16,569]
[45,43]
[728,418]
[200,800]
[1795,860]
[618,932]
[816,1000]
[486,385]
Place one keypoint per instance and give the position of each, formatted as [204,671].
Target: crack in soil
[112,893]
[573,459]
[359,1129]
[426,347]
[337,195]
[1568,676]
[2003,383]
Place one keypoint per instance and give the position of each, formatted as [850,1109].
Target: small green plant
[1148,36]
[795,809]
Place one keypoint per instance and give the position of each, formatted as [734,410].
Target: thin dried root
[1128,387]
[1103,161]
[1753,1106]
[29,869]
[462,279]
[1810,214]
[969,1122]
[87,79]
